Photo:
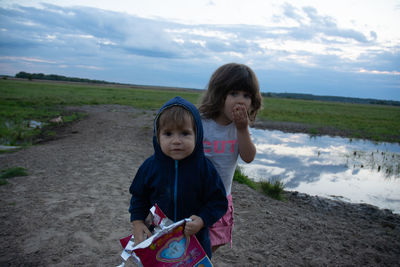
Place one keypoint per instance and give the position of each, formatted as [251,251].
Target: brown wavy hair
[230,77]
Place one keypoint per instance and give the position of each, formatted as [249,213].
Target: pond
[350,170]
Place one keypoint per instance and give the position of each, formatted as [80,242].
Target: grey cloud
[313,24]
[151,52]
[380,60]
[86,28]
[373,35]
[291,12]
[323,22]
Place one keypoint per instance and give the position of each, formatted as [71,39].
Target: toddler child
[178,177]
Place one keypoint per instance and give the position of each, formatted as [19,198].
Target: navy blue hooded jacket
[181,188]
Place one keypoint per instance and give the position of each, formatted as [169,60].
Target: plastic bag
[168,246]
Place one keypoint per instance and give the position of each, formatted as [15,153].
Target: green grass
[13,172]
[244,179]
[274,190]
[10,173]
[23,101]
[373,122]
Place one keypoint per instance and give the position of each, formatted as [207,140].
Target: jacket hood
[179,101]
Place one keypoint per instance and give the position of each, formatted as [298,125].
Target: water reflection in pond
[355,171]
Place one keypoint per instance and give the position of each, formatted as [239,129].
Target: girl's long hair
[230,77]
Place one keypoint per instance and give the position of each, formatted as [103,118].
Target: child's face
[178,142]
[239,100]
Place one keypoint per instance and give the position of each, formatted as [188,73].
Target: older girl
[230,103]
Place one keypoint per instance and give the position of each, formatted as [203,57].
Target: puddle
[35,124]
[352,170]
[27,124]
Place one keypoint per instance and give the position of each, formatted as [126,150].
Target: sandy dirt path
[72,209]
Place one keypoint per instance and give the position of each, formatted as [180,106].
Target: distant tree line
[333,98]
[54,77]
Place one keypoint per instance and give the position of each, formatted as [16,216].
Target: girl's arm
[247,149]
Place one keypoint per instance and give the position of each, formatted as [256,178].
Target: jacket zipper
[176,191]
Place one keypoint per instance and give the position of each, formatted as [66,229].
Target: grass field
[22,102]
[373,122]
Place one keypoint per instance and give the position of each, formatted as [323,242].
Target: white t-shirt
[221,147]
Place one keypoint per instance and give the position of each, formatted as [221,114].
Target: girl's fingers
[240,110]
[240,114]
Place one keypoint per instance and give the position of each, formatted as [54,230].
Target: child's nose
[176,139]
[240,99]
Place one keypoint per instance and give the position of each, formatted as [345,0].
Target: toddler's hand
[149,220]
[194,226]
[240,117]
[140,231]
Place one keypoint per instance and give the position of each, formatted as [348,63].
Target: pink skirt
[221,231]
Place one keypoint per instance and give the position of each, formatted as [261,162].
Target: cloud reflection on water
[355,171]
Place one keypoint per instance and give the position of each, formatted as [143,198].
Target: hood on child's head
[179,101]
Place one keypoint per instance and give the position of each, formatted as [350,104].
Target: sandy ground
[72,209]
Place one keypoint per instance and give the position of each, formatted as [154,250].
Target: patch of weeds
[17,132]
[357,135]
[10,173]
[243,179]
[73,117]
[13,172]
[274,190]
[51,134]
[313,131]
[10,149]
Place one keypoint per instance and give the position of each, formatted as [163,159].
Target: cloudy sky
[341,48]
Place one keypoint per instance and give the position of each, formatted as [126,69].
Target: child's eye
[167,133]
[185,133]
[233,93]
[247,95]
